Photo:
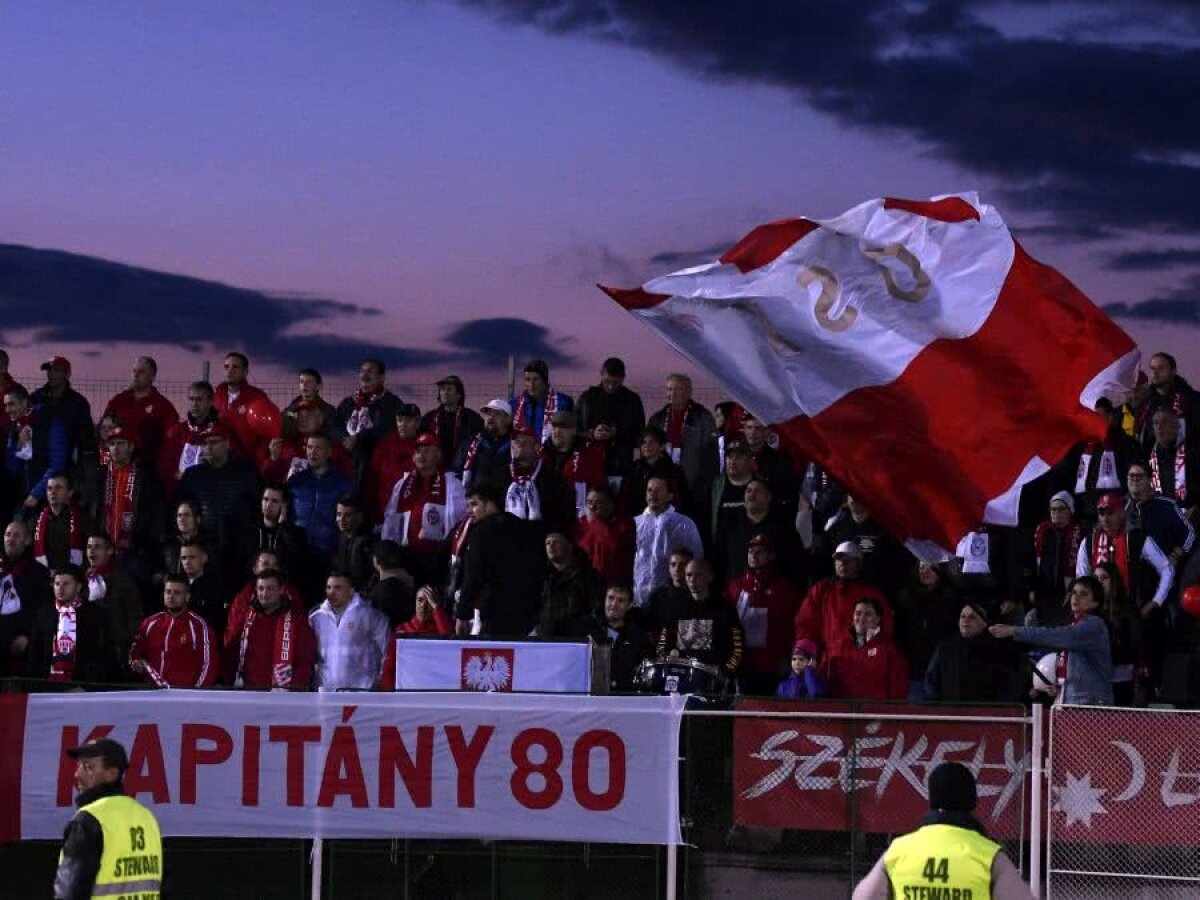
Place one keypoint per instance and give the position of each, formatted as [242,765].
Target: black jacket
[621,409]
[569,596]
[976,670]
[31,583]
[142,558]
[228,500]
[453,444]
[629,646]
[94,651]
[504,566]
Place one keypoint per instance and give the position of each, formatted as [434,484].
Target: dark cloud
[1180,306]
[1154,260]
[1080,233]
[685,258]
[488,342]
[71,299]
[1085,124]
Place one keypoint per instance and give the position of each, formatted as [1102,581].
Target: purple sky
[445,164]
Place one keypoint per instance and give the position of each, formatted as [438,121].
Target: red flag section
[12,749]
[912,348]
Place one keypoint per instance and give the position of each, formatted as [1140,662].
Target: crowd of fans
[251,547]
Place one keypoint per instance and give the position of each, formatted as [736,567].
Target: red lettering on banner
[417,775]
[343,774]
[581,759]
[552,783]
[251,747]
[191,755]
[147,769]
[295,737]
[65,794]
[466,757]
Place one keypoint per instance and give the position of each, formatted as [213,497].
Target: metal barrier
[1122,813]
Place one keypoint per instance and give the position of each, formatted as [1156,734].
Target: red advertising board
[869,775]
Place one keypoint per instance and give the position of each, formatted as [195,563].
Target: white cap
[848,548]
[499,406]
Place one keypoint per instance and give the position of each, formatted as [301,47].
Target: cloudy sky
[442,184]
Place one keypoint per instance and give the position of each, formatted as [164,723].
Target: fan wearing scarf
[113,590]
[536,405]
[1099,464]
[393,457]
[24,587]
[536,492]
[183,446]
[582,464]
[1174,467]
[425,506]
[1056,542]
[129,506]
[276,649]
[487,455]
[691,443]
[366,416]
[451,421]
[58,532]
[70,639]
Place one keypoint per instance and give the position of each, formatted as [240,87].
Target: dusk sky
[444,183]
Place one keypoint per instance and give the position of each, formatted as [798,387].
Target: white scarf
[522,498]
[97,588]
[1180,473]
[973,551]
[1107,480]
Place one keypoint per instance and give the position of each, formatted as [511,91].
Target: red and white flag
[912,348]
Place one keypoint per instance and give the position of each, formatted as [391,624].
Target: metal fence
[1122,817]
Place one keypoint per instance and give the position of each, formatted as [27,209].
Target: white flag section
[912,348]
[601,769]
[440,665]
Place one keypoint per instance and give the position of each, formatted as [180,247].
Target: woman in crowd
[926,614]
[870,666]
[1125,629]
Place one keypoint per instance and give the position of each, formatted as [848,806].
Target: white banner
[440,665]
[501,766]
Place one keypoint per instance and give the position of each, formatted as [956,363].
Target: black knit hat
[952,788]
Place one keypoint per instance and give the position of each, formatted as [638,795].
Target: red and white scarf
[75,530]
[522,499]
[421,506]
[1072,533]
[752,605]
[62,656]
[190,454]
[547,414]
[20,425]
[360,419]
[675,424]
[10,600]
[1180,473]
[1106,548]
[282,658]
[1108,479]
[473,455]
[121,487]
[458,421]
[97,586]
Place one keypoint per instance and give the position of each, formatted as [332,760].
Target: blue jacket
[1162,519]
[314,502]
[51,449]
[809,686]
[535,413]
[1089,657]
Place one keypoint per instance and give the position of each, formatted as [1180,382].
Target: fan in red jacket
[829,604]
[607,538]
[183,445]
[429,619]
[245,409]
[176,648]
[143,411]
[390,460]
[287,455]
[868,665]
[766,603]
[236,618]
[276,648]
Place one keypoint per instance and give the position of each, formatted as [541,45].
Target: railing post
[1036,805]
[316,861]
[672,875]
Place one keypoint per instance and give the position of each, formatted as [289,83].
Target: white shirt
[350,648]
[658,536]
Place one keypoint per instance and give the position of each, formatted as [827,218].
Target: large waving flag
[910,347]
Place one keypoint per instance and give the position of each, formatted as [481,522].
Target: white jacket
[350,649]
[658,536]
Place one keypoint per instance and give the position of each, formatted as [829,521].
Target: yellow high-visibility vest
[131,861]
[941,862]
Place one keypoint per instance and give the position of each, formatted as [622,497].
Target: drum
[679,676]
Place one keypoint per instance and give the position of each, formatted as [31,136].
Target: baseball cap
[120,434]
[112,753]
[1109,501]
[848,548]
[564,418]
[408,411]
[58,362]
[425,439]
[498,405]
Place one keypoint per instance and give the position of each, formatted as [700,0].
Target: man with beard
[25,588]
[425,506]
[366,416]
[273,533]
[144,413]
[580,464]
[69,641]
[175,647]
[487,455]
[534,491]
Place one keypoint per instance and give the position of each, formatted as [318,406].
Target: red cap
[1110,500]
[426,439]
[58,362]
[119,434]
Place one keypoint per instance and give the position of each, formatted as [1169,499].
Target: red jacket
[875,671]
[391,458]
[237,417]
[147,418]
[273,659]
[610,546]
[277,470]
[828,609]
[439,625]
[767,616]
[241,605]
[182,650]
